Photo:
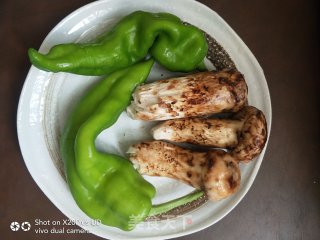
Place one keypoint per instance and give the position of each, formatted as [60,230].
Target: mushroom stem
[221,133]
[215,172]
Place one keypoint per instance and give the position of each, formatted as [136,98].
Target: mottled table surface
[284,201]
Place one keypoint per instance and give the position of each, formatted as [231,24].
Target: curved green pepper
[105,186]
[176,46]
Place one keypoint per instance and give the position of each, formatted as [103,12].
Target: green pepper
[105,186]
[176,46]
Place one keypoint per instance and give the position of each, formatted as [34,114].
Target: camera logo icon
[14,226]
[25,226]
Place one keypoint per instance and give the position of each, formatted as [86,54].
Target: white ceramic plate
[47,98]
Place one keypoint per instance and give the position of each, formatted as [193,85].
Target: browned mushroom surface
[192,95]
[215,172]
[245,133]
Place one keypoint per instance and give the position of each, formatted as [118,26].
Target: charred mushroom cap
[253,135]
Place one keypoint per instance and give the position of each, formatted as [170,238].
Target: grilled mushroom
[216,172]
[244,134]
[192,95]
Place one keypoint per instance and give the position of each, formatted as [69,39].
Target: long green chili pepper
[176,46]
[105,186]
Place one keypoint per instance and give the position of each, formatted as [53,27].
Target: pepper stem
[167,206]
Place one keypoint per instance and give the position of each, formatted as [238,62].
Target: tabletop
[283,202]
